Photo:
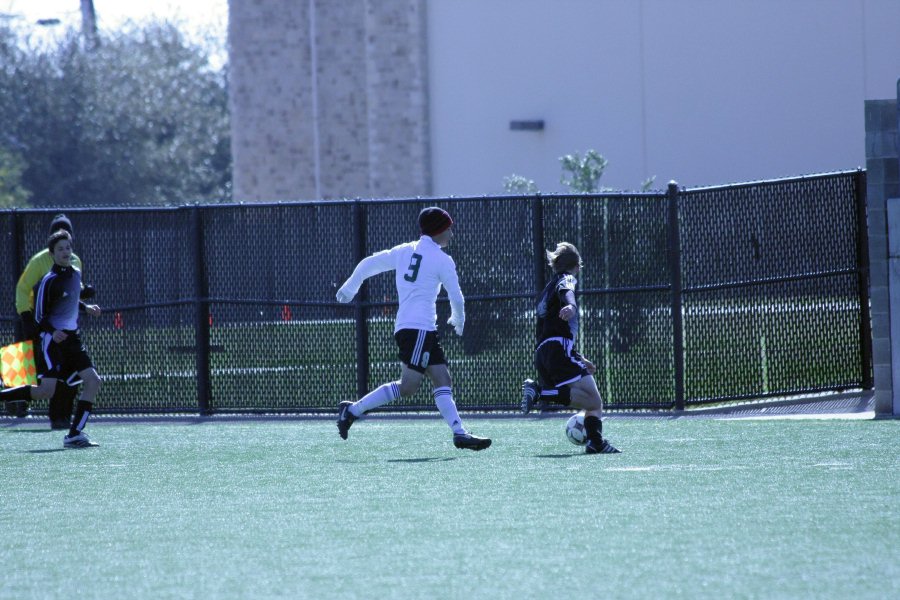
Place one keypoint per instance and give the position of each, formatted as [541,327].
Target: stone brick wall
[882,183]
[397,63]
[328,99]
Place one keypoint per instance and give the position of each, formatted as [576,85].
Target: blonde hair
[565,258]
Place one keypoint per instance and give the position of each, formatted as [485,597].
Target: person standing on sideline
[63,400]
[566,376]
[421,268]
[60,353]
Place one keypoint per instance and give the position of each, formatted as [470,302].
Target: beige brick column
[328,99]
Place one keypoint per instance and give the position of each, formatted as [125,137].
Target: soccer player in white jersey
[421,267]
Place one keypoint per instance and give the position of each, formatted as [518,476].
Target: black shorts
[420,349]
[558,363]
[61,361]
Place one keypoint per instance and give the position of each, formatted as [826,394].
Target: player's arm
[44,298]
[566,291]
[450,280]
[25,286]
[367,267]
[91,309]
[590,367]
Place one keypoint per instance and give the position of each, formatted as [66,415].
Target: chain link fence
[688,296]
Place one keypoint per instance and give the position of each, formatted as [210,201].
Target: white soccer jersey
[421,267]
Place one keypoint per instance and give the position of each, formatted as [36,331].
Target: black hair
[56,237]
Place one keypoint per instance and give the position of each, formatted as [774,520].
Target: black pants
[62,402]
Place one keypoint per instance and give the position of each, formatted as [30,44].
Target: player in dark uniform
[60,353]
[63,400]
[566,376]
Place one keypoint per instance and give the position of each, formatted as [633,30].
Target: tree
[584,176]
[11,191]
[516,184]
[140,118]
[625,254]
[584,173]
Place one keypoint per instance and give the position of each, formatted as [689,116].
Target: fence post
[360,311]
[862,260]
[201,303]
[675,273]
[537,240]
[15,259]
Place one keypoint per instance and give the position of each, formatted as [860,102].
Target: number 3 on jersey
[414,263]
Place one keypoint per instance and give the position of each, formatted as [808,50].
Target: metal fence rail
[688,296]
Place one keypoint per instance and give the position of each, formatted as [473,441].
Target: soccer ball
[575,430]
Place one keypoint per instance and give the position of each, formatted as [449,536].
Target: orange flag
[17,364]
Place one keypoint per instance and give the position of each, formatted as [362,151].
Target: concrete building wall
[882,194]
[345,98]
[700,91]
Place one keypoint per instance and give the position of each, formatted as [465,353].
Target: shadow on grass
[6,430]
[558,455]
[421,460]
[45,450]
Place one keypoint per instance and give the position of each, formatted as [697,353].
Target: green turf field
[693,508]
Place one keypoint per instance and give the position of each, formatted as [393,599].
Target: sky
[196,18]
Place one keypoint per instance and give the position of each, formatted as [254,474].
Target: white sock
[377,397]
[443,398]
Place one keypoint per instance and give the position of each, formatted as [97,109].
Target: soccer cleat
[345,418]
[603,447]
[470,442]
[530,395]
[78,441]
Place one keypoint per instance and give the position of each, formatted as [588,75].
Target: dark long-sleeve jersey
[550,302]
[56,299]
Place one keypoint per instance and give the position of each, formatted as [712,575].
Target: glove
[457,323]
[343,297]
[29,327]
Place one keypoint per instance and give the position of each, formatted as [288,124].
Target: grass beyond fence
[734,350]
[693,508]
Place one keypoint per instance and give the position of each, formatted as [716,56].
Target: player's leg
[443,398]
[48,362]
[586,396]
[442,392]
[25,330]
[76,358]
[410,380]
[27,393]
[348,411]
[91,385]
[435,362]
[531,391]
[555,369]
[18,398]
[61,404]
